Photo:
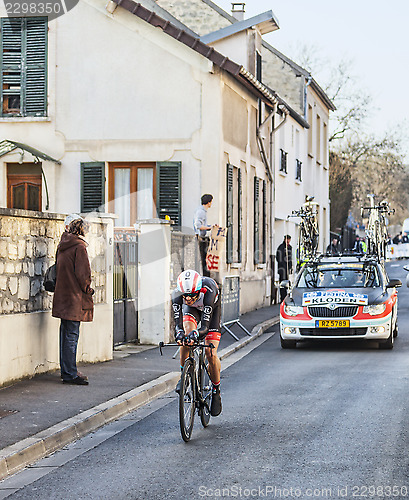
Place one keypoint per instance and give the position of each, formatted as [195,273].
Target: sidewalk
[41,415]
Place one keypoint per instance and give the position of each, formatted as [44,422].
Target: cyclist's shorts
[193,314]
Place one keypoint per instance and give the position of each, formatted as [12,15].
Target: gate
[125,287]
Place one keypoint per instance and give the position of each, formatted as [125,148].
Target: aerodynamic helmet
[189,282]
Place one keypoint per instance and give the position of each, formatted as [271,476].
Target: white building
[300,144]
[101,110]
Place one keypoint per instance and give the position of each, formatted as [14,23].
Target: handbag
[50,278]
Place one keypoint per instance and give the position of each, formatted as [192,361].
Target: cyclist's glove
[179,335]
[193,336]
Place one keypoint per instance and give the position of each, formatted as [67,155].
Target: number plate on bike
[332,323]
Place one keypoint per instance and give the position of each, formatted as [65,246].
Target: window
[298,166]
[260,221]
[310,130]
[132,192]
[318,136]
[325,141]
[139,191]
[283,161]
[23,74]
[24,186]
[234,215]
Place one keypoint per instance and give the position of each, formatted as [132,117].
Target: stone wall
[28,243]
[28,332]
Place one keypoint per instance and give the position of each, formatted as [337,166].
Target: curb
[19,455]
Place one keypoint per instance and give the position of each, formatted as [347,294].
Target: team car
[346,297]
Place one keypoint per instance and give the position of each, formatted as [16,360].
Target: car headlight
[374,310]
[293,310]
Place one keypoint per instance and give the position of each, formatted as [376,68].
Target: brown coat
[73,294]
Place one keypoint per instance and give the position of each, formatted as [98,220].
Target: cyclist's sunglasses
[191,295]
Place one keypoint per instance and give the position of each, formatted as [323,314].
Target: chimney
[237,10]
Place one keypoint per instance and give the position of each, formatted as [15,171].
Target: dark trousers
[203,246]
[69,333]
[282,274]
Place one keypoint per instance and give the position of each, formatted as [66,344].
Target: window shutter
[256,220]
[264,229]
[35,88]
[229,215]
[11,60]
[24,66]
[168,190]
[93,187]
[240,217]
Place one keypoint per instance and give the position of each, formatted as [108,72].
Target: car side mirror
[285,284]
[394,284]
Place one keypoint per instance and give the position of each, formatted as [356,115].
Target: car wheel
[287,344]
[396,330]
[389,342]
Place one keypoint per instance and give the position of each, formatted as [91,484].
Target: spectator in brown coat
[72,301]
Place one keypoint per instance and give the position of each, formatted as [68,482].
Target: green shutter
[24,65]
[93,187]
[229,214]
[35,88]
[256,220]
[168,190]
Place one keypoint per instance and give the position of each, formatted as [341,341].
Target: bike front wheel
[187,401]
[206,391]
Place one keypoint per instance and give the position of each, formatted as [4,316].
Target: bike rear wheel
[187,401]
[206,391]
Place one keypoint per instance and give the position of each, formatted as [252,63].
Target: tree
[376,167]
[340,191]
[353,102]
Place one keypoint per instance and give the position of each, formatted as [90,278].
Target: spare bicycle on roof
[308,232]
[376,232]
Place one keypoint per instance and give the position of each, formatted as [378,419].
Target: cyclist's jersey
[206,306]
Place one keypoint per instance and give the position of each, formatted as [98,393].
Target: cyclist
[197,299]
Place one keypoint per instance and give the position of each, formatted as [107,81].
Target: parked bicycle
[308,233]
[195,389]
[376,231]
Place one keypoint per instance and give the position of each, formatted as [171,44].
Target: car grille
[339,312]
[335,332]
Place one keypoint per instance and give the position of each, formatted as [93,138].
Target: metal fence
[231,305]
[125,277]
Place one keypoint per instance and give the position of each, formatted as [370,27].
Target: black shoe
[177,389]
[216,406]
[76,381]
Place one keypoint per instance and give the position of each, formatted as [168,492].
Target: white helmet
[189,282]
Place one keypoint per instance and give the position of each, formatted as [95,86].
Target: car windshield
[339,276]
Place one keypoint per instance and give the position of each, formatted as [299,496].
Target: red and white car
[341,298]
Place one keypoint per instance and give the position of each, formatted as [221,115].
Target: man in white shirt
[201,227]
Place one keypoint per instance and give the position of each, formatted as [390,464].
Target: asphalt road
[327,420]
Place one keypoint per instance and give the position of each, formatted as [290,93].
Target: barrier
[231,304]
[400,251]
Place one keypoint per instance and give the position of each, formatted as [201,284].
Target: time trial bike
[195,388]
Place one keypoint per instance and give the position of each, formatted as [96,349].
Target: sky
[372,33]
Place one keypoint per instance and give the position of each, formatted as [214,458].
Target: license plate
[332,323]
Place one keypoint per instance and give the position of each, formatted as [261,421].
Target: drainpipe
[308,83]
[273,189]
